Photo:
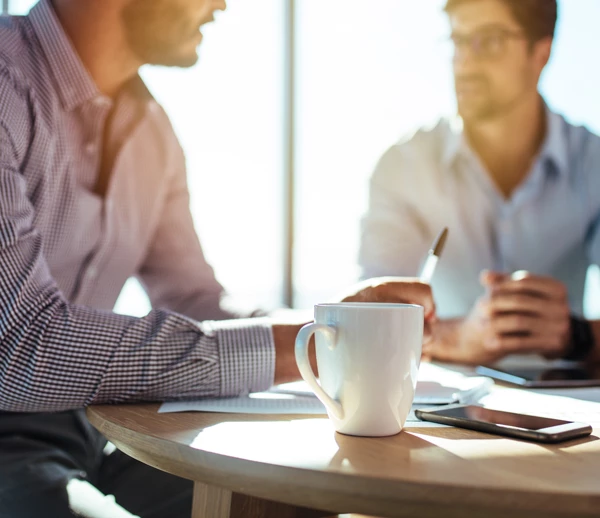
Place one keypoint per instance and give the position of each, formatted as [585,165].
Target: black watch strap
[582,340]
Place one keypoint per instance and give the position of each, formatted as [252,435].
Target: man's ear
[542,50]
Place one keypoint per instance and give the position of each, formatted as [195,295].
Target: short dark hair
[536,17]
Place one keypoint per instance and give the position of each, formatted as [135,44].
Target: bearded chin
[483,112]
[166,54]
[157,35]
[173,59]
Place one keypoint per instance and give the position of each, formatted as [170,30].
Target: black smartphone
[543,377]
[521,426]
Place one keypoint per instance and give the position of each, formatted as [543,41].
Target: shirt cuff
[246,354]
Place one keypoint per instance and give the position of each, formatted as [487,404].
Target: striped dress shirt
[66,252]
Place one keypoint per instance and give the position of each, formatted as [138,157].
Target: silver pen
[433,257]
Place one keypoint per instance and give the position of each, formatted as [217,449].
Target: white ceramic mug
[368,358]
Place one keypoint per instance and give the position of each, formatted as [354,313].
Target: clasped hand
[519,313]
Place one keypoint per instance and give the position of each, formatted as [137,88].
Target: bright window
[367,74]
[228,114]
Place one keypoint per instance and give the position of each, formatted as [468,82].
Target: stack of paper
[436,386]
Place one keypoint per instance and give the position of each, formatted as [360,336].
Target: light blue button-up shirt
[549,226]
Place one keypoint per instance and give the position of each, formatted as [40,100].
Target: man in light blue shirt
[518,187]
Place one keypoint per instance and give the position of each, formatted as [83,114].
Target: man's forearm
[461,340]
[286,369]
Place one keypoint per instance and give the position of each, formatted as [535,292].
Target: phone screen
[508,419]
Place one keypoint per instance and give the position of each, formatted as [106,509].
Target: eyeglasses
[489,44]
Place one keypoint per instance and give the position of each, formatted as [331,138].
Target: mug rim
[369,305]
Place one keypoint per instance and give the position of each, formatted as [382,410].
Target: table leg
[210,502]
[213,502]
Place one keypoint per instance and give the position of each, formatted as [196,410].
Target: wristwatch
[582,341]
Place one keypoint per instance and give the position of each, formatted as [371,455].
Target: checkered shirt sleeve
[55,355]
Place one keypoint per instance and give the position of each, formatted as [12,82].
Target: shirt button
[90,148]
[101,101]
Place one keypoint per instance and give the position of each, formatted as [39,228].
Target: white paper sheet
[591,394]
[567,404]
[436,386]
[442,386]
[258,403]
[265,403]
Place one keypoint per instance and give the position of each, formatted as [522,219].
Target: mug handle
[302,341]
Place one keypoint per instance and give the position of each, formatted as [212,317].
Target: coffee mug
[368,358]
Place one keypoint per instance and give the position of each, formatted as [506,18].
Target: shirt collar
[139,90]
[554,147]
[75,85]
[456,141]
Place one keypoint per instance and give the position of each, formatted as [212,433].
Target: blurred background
[364,74]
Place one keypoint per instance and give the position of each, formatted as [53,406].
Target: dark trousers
[42,454]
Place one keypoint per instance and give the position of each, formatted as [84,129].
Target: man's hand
[401,290]
[528,314]
[520,313]
[462,340]
[385,289]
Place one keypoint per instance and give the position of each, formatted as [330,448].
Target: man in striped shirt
[92,191]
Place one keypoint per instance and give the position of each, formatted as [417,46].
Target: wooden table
[247,465]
